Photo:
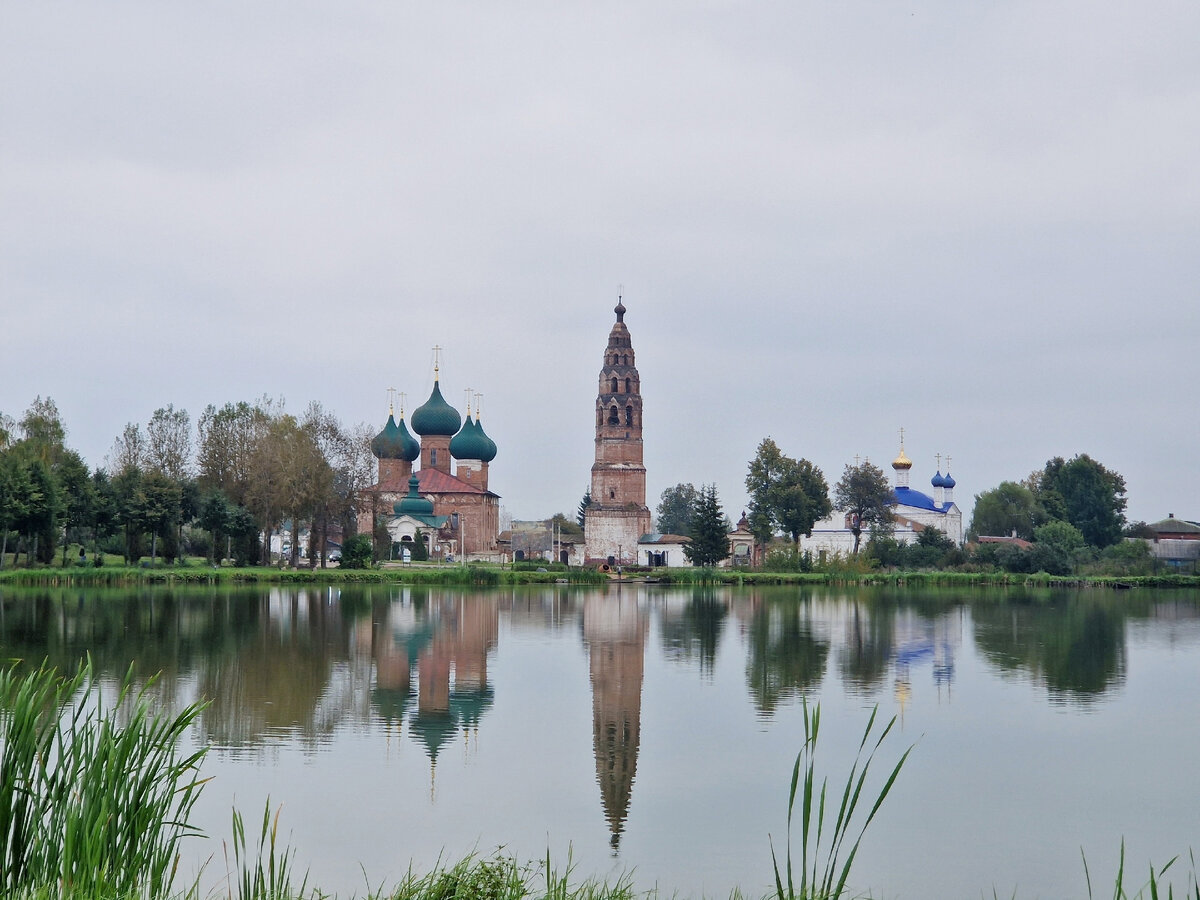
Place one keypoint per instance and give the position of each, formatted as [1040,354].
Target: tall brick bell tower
[618,515]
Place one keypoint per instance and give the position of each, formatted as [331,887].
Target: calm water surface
[653,729]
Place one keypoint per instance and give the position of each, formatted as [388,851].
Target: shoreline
[489,576]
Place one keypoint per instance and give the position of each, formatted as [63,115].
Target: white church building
[912,512]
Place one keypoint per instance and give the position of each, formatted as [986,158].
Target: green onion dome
[472,443]
[436,416]
[413,504]
[394,442]
[491,448]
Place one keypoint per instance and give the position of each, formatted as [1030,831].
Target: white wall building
[912,512]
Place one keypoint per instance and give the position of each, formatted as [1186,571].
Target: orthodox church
[618,516]
[455,512]
[912,512]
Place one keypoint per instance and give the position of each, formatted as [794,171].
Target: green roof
[472,443]
[394,442]
[436,416]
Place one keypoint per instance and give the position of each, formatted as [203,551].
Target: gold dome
[902,461]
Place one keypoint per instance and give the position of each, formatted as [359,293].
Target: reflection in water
[446,637]
[1075,644]
[614,629]
[691,628]
[297,667]
[787,651]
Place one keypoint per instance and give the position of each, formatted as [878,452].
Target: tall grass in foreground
[94,800]
[268,873]
[821,878]
[1153,888]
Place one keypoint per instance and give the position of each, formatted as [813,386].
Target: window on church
[614,385]
[612,495]
[614,418]
[628,385]
[433,457]
[629,415]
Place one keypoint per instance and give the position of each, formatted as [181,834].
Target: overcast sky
[976,221]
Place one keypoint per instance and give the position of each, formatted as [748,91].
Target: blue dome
[947,481]
[938,480]
[436,416]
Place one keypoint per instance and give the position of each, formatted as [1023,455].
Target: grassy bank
[123,576]
[487,575]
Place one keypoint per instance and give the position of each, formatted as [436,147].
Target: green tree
[676,509]
[1086,494]
[16,489]
[216,515]
[1008,509]
[42,514]
[710,529]
[169,442]
[157,506]
[228,438]
[1056,547]
[356,552]
[420,551]
[566,527]
[785,494]
[126,487]
[105,508]
[863,493]
[128,450]
[581,513]
[43,432]
[8,431]
[75,486]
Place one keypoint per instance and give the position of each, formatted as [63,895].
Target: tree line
[168,490]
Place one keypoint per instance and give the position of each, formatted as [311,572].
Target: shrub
[356,552]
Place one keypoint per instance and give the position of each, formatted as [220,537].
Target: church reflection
[614,629]
[446,639]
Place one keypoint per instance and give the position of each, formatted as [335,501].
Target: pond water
[653,730]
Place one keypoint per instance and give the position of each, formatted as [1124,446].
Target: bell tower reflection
[615,632]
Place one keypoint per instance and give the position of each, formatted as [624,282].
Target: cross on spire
[938,456]
[437,350]
[391,400]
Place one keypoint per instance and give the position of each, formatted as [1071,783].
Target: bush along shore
[95,799]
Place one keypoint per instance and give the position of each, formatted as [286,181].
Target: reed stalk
[823,872]
[94,799]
